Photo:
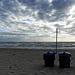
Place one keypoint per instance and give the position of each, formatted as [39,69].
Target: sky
[37,20]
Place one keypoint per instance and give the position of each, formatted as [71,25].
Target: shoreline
[36,49]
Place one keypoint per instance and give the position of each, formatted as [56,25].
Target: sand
[30,62]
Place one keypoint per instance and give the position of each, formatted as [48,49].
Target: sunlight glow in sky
[37,20]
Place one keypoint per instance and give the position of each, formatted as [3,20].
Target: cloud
[45,8]
[9,33]
[62,4]
[42,7]
[35,17]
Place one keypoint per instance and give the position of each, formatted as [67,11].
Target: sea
[38,45]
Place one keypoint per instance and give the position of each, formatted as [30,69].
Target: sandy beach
[30,62]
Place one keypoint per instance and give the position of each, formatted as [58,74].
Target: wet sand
[30,62]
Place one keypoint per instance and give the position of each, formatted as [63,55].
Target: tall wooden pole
[56,38]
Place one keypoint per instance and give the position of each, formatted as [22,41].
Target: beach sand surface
[30,62]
